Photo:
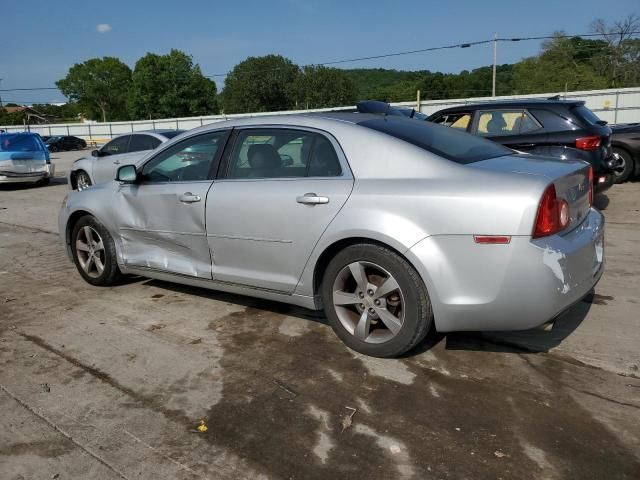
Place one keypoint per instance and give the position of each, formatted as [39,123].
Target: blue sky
[40,40]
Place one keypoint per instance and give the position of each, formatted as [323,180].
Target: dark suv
[558,128]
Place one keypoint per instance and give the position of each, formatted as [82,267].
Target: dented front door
[162,227]
[162,217]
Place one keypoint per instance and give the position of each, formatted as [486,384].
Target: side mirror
[95,153]
[127,174]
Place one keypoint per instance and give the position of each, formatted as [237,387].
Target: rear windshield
[172,134]
[583,113]
[446,142]
[18,143]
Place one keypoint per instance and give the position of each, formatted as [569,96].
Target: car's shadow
[541,339]
[536,340]
[10,187]
[601,201]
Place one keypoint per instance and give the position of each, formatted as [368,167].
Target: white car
[103,163]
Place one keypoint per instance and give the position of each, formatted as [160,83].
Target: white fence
[614,106]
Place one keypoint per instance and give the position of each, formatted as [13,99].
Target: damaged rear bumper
[516,286]
[27,177]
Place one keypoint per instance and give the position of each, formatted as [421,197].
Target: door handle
[189,197]
[116,162]
[312,199]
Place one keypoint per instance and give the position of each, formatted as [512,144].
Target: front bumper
[509,287]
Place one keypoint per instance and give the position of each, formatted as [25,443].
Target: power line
[397,54]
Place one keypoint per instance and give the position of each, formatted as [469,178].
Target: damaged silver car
[24,158]
[392,226]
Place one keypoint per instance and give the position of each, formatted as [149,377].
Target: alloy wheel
[90,251]
[368,302]
[83,182]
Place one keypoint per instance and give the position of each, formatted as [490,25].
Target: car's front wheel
[94,252]
[83,181]
[375,301]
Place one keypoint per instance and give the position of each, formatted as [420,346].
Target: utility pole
[0,94]
[495,57]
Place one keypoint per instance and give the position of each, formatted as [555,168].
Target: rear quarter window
[446,142]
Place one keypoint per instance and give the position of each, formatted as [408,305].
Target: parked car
[102,164]
[626,143]
[24,159]
[64,143]
[393,226]
[559,128]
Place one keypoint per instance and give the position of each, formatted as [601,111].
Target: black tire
[53,148]
[622,175]
[111,273]
[418,315]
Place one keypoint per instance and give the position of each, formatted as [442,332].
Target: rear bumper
[509,287]
[27,177]
[602,181]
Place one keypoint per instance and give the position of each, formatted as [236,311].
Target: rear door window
[117,146]
[141,142]
[282,153]
[494,123]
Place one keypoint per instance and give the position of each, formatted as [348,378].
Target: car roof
[519,103]
[18,133]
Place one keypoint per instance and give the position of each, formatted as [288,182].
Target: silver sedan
[390,225]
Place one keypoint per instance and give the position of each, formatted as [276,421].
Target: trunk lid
[571,179]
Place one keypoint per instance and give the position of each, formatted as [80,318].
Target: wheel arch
[332,249]
[71,222]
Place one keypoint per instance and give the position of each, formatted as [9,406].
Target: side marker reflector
[492,239]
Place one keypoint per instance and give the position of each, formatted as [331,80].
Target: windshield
[18,143]
[172,134]
[454,145]
[53,139]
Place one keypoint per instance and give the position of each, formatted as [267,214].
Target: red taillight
[590,186]
[553,214]
[588,143]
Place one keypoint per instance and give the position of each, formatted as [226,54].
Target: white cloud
[103,28]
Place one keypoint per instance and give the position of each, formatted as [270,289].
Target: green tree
[170,86]
[260,84]
[563,63]
[318,87]
[100,86]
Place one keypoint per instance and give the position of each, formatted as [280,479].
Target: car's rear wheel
[375,301]
[94,252]
[83,181]
[625,167]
